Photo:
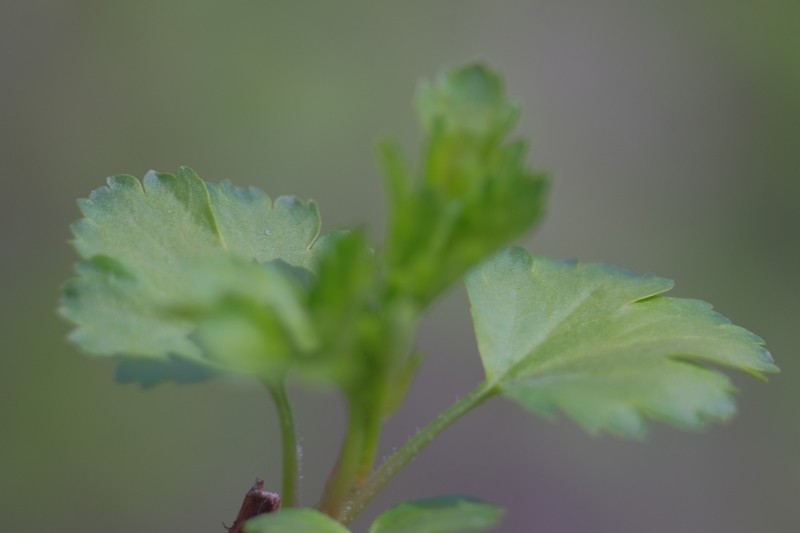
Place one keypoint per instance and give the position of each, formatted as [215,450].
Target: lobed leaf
[604,345]
[452,514]
[157,251]
[294,521]
[255,227]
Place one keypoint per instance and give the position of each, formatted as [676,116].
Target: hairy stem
[394,464]
[291,464]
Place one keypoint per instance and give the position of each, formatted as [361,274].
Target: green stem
[291,464]
[345,474]
[394,464]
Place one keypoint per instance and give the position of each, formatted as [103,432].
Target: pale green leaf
[294,521]
[254,226]
[155,246]
[604,345]
[120,312]
[452,514]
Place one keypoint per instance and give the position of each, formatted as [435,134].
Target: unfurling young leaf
[474,191]
[604,345]
[453,514]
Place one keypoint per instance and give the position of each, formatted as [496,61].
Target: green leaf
[249,317]
[155,246]
[323,325]
[344,308]
[452,514]
[150,372]
[468,99]
[402,378]
[253,226]
[604,345]
[294,521]
[474,192]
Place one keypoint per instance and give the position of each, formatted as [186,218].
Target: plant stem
[345,474]
[394,464]
[291,465]
[369,447]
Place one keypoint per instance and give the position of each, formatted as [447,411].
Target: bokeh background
[673,133]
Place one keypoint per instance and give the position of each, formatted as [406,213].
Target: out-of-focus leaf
[345,289]
[470,99]
[249,317]
[294,521]
[603,345]
[474,193]
[148,372]
[453,514]
[403,378]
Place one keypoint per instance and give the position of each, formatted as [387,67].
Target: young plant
[182,279]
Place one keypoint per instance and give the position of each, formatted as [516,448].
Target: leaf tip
[468,98]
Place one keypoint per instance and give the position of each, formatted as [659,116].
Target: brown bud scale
[257,501]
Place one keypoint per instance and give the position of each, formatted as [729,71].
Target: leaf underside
[604,345]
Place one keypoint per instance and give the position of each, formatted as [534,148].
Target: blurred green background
[673,132]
